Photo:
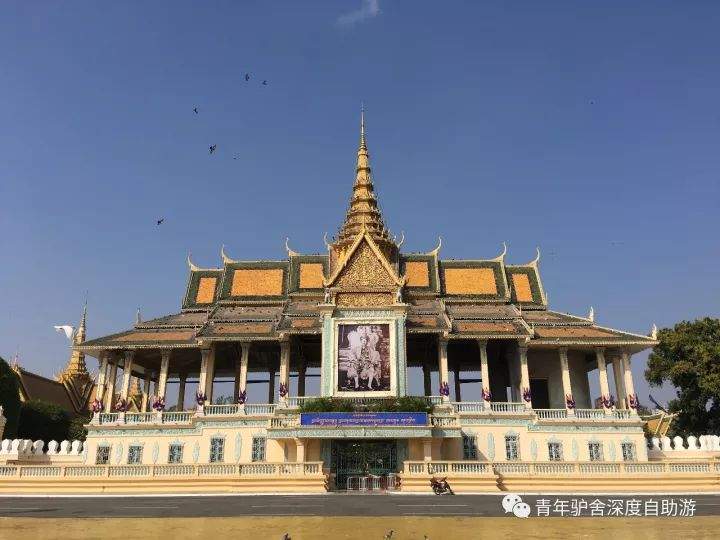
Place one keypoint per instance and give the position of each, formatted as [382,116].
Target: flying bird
[264,83]
[160,221]
[195,110]
[213,147]
[247,77]
[68,330]
[236,156]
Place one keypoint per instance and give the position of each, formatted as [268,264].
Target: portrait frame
[392,357]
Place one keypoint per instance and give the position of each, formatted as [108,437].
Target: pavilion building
[361,316]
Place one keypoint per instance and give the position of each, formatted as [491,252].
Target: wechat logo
[513,503]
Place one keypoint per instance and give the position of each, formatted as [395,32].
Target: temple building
[72,389]
[360,318]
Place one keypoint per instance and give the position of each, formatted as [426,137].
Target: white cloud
[368,9]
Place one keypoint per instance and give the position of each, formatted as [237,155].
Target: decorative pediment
[364,267]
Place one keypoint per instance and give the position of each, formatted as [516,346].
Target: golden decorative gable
[257,282]
[416,274]
[206,290]
[470,281]
[311,276]
[521,284]
[365,270]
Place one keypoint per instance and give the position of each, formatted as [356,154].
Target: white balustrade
[176,417]
[510,467]
[140,418]
[8,470]
[590,414]
[217,469]
[108,418]
[40,471]
[551,414]
[507,407]
[469,406]
[129,470]
[599,468]
[259,408]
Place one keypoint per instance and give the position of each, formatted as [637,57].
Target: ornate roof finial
[501,257]
[363,142]
[536,260]
[437,248]
[290,252]
[591,315]
[225,258]
[138,317]
[192,266]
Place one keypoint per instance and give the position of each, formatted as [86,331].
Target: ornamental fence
[703,443]
[242,470]
[553,468]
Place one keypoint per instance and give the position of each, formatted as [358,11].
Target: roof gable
[364,267]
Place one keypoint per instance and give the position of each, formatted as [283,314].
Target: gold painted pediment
[364,267]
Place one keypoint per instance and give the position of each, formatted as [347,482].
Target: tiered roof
[267,300]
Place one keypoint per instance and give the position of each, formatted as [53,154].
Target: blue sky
[589,130]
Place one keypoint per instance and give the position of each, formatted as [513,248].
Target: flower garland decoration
[159,404]
[242,397]
[486,394]
[122,405]
[527,395]
[200,398]
[97,406]
[633,402]
[607,401]
[283,390]
[569,401]
[444,389]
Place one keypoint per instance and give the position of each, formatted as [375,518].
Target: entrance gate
[356,459]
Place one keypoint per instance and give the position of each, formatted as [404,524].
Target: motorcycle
[440,486]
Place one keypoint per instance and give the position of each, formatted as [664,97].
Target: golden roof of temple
[363,211]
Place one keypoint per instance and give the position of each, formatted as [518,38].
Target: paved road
[332,504]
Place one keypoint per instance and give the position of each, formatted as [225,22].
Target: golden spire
[364,212]
[76,365]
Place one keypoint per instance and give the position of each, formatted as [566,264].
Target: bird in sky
[236,156]
[195,110]
[213,147]
[264,83]
[68,330]
[247,77]
[160,221]
[592,102]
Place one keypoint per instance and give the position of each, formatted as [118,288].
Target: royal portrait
[363,363]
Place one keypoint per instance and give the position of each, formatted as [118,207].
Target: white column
[102,375]
[300,450]
[146,392]
[427,447]
[285,365]
[111,386]
[202,379]
[618,374]
[567,387]
[602,376]
[443,364]
[627,372]
[162,378]
[244,358]
[484,372]
[524,373]
[127,372]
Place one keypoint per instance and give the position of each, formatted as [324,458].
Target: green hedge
[402,404]
[9,399]
[43,420]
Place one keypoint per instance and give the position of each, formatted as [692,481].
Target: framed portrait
[363,358]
